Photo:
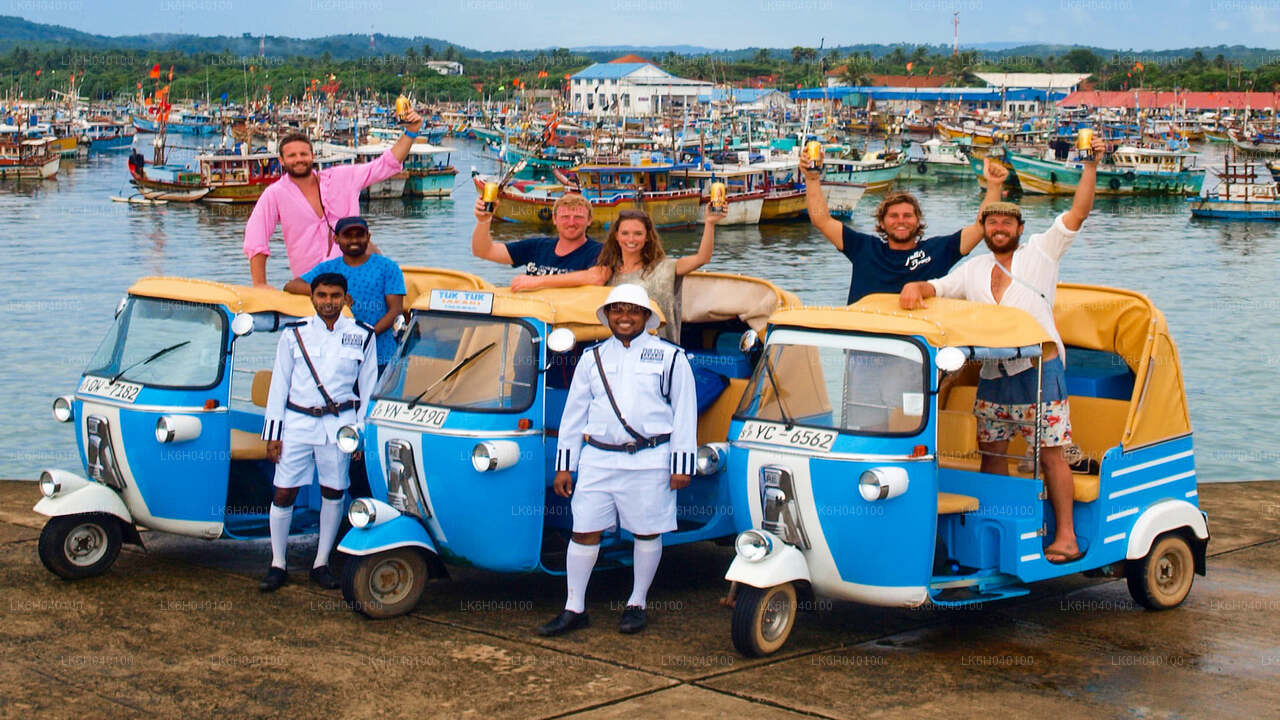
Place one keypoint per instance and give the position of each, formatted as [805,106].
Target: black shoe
[634,619]
[566,621]
[275,579]
[323,577]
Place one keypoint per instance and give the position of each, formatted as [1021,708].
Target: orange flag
[171,73]
[909,66]
[155,71]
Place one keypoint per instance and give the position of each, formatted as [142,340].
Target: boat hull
[1223,210]
[787,205]
[1043,177]
[436,182]
[32,171]
[743,210]
[668,209]
[842,198]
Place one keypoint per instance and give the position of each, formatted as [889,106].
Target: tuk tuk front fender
[1161,518]
[91,497]
[402,531]
[785,564]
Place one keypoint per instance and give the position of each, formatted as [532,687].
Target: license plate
[425,416]
[778,434]
[119,390]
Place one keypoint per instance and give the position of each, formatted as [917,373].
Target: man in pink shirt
[306,203]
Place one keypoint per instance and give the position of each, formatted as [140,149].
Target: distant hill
[17,32]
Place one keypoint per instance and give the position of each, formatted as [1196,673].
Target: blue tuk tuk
[855,460]
[460,441]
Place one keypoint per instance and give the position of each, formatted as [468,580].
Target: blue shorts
[1020,389]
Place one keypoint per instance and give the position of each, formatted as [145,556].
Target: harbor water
[73,253]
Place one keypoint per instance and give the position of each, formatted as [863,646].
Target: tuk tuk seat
[951,503]
[247,446]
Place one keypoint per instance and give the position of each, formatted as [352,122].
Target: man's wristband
[411,133]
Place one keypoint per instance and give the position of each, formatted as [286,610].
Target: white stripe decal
[1029,535]
[1113,538]
[1153,483]
[1122,513]
[1029,558]
[1193,493]
[1152,463]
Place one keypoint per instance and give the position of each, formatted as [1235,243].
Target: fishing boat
[102,134]
[1134,171]
[1254,144]
[875,171]
[392,187]
[186,122]
[430,173]
[216,177]
[938,160]
[610,189]
[744,192]
[783,190]
[1242,193]
[23,157]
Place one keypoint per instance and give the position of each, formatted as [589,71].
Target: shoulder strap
[1024,284]
[613,403]
[329,404]
[669,374]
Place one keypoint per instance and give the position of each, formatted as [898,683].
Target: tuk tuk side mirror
[749,341]
[242,324]
[950,359]
[561,340]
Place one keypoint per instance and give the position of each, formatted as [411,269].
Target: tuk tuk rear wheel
[79,546]
[763,618]
[1162,579]
[385,584]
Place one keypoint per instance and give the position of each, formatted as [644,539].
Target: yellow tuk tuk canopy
[419,281]
[236,298]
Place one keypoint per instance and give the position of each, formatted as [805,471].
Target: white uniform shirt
[1034,264]
[341,356]
[637,376]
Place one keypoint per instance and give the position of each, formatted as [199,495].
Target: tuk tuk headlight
[361,514]
[62,409]
[492,455]
[753,545]
[710,458]
[177,428]
[882,483]
[49,485]
[348,438]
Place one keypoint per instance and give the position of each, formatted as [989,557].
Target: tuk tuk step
[957,597]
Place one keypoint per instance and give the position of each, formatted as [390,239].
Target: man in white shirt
[1025,277]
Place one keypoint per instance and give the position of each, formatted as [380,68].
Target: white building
[445,67]
[632,89]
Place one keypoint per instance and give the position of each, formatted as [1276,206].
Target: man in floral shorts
[1025,276]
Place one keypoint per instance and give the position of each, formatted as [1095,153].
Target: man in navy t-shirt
[897,255]
[374,283]
[570,250]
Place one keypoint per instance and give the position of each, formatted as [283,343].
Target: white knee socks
[645,559]
[279,519]
[330,519]
[578,562]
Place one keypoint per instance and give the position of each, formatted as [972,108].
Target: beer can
[718,201]
[1084,142]
[403,106]
[813,151]
[490,196]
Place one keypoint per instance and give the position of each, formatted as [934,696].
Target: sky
[720,24]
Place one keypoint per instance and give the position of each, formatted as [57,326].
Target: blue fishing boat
[1242,194]
[430,173]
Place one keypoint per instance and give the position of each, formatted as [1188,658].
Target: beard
[294,173]
[1007,243]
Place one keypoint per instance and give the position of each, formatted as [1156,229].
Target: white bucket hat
[629,293]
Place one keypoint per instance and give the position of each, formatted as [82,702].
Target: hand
[563,484]
[911,298]
[679,482]
[810,176]
[274,448]
[412,120]
[715,216]
[1096,149]
[482,215]
[525,282]
[357,455]
[994,172]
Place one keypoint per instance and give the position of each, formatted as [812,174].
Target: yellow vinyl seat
[247,445]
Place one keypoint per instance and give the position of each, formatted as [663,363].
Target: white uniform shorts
[299,460]
[641,499]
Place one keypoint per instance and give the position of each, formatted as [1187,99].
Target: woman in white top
[633,253]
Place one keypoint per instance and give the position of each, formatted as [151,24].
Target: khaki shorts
[998,422]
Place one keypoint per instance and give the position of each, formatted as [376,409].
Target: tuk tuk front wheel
[763,618]
[80,546]
[384,584]
[1162,579]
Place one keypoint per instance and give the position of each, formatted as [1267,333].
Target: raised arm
[686,265]
[482,244]
[596,275]
[1082,204]
[832,229]
[995,174]
[413,123]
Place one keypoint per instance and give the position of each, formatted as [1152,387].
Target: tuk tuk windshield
[163,343]
[850,383]
[466,362]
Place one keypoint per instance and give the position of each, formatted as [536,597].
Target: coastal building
[445,67]
[747,98]
[1042,85]
[902,100]
[632,88]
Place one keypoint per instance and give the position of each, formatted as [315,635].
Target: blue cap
[347,222]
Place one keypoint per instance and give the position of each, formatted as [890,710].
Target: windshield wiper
[148,359]
[452,371]
[777,391]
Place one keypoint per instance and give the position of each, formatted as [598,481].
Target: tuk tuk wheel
[1162,579]
[763,618]
[385,584]
[80,546]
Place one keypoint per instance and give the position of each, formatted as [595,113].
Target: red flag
[930,69]
[909,66]
[37,73]
[566,76]
[139,86]
[155,71]
[171,73]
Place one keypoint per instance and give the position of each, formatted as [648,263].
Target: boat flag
[155,71]
[170,73]
[909,66]
[37,73]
